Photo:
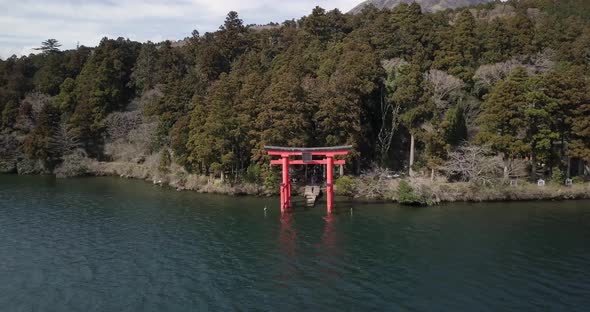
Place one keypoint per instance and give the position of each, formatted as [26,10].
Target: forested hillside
[427,5]
[511,79]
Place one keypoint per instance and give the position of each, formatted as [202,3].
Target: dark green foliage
[49,46]
[102,87]
[271,177]
[558,176]
[456,129]
[9,114]
[407,195]
[66,99]
[325,26]
[219,97]
[503,118]
[53,72]
[165,161]
[254,174]
[179,135]
[144,71]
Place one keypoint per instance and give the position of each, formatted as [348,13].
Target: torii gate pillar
[330,183]
[307,154]
[285,185]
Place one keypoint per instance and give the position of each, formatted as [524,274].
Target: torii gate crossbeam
[329,154]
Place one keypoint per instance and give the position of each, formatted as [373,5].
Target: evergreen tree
[455,127]
[523,33]
[408,91]
[503,122]
[496,41]
[144,71]
[66,99]
[49,46]
[51,74]
[219,97]
[101,88]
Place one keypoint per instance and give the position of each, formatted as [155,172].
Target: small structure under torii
[327,155]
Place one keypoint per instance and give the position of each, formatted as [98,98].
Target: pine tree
[408,91]
[49,46]
[144,70]
[503,122]
[496,41]
[51,74]
[455,127]
[101,88]
[66,99]
[523,32]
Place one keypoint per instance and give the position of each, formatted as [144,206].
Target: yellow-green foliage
[345,185]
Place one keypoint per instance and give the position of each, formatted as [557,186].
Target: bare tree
[390,113]
[120,124]
[135,144]
[442,85]
[36,101]
[473,164]
[75,163]
[542,62]
[374,182]
[390,119]
[489,74]
[64,142]
[148,98]
[392,65]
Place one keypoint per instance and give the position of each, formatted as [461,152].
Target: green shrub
[345,185]
[165,161]
[270,179]
[578,180]
[557,176]
[253,174]
[406,194]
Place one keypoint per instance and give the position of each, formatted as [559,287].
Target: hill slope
[427,5]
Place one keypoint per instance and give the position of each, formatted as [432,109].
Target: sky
[24,24]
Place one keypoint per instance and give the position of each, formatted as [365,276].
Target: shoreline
[423,192]
[432,192]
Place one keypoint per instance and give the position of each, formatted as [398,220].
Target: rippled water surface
[104,244]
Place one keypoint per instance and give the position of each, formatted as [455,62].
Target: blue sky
[25,23]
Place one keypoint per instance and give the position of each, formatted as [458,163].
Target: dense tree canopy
[514,80]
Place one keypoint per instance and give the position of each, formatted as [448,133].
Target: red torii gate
[307,154]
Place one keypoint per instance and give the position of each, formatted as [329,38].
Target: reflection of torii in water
[307,155]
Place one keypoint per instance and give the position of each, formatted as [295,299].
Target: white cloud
[25,23]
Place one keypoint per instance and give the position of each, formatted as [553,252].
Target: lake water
[107,244]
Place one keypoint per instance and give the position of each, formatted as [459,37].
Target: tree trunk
[569,167]
[412,146]
[222,176]
[432,175]
[580,167]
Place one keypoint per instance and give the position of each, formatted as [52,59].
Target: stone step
[311,194]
